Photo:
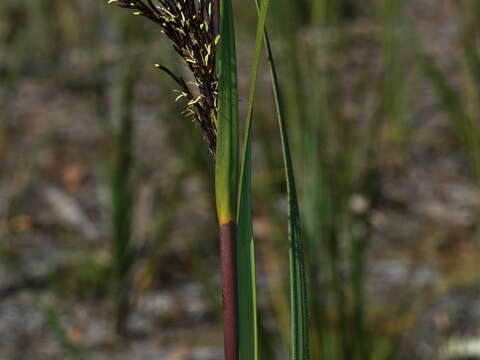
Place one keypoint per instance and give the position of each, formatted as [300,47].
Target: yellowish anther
[194,101]
[182,95]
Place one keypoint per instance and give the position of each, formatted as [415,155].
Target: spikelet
[190,25]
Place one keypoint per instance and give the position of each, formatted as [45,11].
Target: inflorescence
[190,25]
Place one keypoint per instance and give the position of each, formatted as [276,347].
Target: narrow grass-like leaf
[226,167]
[298,286]
[248,334]
[452,104]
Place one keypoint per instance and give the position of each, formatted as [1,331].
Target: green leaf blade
[226,165]
[248,333]
[298,282]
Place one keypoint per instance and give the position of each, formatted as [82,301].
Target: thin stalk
[226,175]
[227,234]
[247,326]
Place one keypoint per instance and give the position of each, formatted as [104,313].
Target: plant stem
[228,245]
[226,173]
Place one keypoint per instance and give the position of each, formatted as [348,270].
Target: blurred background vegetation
[108,245]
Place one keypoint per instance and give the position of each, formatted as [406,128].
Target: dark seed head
[192,27]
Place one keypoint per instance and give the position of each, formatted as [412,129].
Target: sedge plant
[202,33]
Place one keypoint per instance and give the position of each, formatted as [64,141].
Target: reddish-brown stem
[229,289]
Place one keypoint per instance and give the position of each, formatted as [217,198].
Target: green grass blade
[453,105]
[248,333]
[298,286]
[226,166]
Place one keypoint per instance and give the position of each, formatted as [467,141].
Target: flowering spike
[188,24]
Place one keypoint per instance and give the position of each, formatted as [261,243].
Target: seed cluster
[190,25]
